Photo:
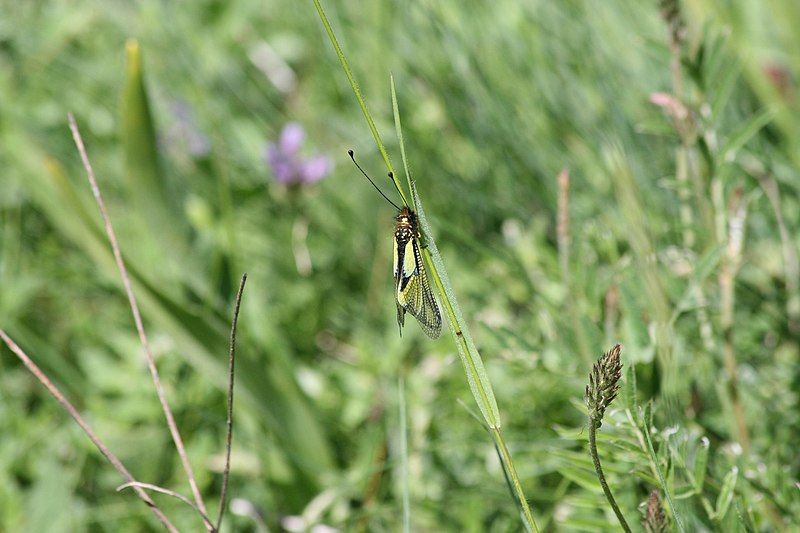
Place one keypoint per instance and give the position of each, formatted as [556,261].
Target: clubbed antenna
[655,521]
[353,157]
[603,384]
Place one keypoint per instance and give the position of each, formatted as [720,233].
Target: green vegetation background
[497,98]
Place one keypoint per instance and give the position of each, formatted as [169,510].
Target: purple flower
[288,166]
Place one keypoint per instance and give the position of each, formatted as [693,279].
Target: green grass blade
[700,464]
[744,132]
[646,421]
[399,131]
[357,91]
[726,494]
[145,181]
[473,364]
[142,165]
[477,378]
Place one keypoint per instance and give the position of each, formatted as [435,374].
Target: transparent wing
[414,295]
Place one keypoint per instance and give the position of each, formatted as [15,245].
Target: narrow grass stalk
[686,156]
[651,453]
[137,318]
[361,102]
[602,478]
[686,164]
[473,365]
[477,378]
[162,490]
[508,463]
[229,412]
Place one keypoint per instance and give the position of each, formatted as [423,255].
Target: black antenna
[350,153]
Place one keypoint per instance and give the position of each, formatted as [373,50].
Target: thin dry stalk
[162,490]
[115,462]
[229,426]
[162,397]
[737,214]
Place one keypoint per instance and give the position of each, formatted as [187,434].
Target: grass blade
[473,364]
[477,378]
[155,206]
[357,91]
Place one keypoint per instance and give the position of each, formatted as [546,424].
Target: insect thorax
[406,227]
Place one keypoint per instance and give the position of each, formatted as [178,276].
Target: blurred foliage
[177,101]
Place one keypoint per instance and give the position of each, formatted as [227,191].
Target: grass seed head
[603,384]
[655,521]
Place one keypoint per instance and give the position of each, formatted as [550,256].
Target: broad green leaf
[155,207]
[142,164]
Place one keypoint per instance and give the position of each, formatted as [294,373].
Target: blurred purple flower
[288,166]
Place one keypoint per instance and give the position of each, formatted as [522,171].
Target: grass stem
[599,469]
[229,411]
[473,364]
[137,318]
[512,473]
[67,405]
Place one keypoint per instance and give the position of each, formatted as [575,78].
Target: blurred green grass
[496,100]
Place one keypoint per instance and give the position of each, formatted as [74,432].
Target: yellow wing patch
[412,291]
